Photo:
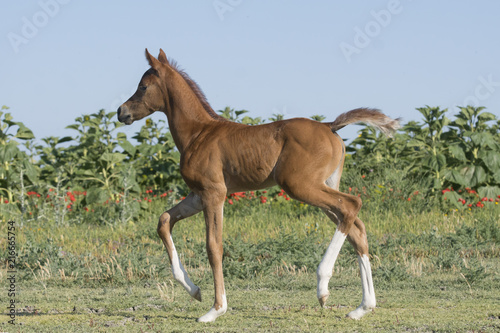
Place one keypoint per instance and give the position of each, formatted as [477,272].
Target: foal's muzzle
[124,115]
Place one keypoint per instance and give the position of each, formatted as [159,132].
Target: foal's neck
[187,117]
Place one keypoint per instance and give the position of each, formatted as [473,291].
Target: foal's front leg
[187,207]
[213,210]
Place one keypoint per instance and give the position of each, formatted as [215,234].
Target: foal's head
[150,95]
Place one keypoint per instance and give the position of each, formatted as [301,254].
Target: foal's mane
[195,88]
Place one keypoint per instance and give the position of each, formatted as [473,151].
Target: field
[80,252]
[432,272]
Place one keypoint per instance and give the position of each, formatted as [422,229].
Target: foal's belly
[237,185]
[248,179]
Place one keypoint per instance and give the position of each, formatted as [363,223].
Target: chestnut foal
[219,157]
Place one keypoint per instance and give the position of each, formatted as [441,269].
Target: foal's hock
[219,157]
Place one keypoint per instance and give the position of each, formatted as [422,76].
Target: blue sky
[60,59]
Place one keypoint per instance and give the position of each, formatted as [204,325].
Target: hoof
[359,312]
[322,300]
[197,295]
[211,315]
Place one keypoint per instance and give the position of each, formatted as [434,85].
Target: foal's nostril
[119,111]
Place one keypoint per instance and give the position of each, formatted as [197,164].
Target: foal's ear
[163,57]
[153,62]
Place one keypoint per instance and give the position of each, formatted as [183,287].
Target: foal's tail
[372,117]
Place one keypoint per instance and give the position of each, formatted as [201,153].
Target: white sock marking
[368,303]
[180,273]
[325,268]
[213,313]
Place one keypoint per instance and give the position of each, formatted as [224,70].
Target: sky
[60,59]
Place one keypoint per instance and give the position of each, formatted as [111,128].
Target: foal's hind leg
[357,237]
[333,203]
[325,267]
[187,207]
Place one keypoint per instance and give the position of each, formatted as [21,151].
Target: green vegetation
[100,176]
[85,211]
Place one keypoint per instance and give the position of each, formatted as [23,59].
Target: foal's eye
[142,88]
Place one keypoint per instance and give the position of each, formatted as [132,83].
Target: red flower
[263,199]
[230,201]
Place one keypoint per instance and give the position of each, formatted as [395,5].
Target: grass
[432,272]
[441,302]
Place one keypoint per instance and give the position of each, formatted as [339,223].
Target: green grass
[432,272]
[441,302]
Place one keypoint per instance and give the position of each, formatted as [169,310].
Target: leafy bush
[100,176]
[442,156]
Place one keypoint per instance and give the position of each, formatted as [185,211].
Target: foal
[219,157]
